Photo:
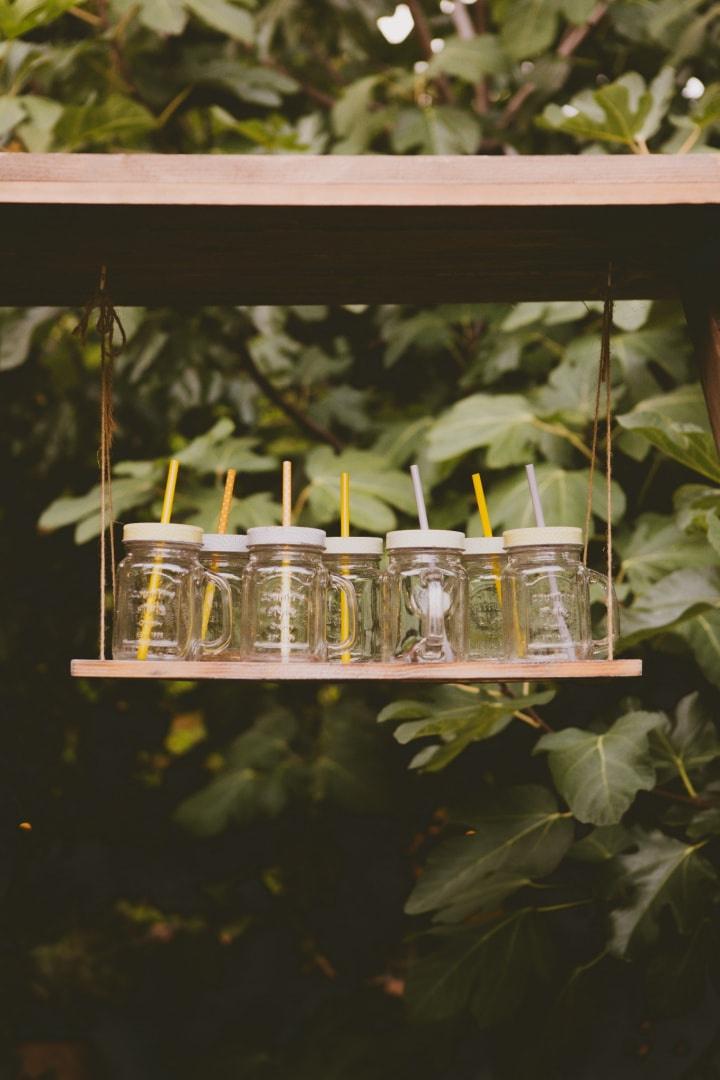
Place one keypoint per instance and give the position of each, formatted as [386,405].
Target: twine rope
[107,321]
[604,376]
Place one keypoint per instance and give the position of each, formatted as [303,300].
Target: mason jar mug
[546,596]
[285,595]
[160,589]
[484,561]
[425,587]
[226,555]
[357,560]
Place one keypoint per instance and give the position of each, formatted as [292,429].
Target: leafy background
[261,883]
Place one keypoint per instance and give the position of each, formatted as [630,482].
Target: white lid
[171,534]
[263,535]
[549,534]
[353,545]
[425,538]
[484,545]
[225,542]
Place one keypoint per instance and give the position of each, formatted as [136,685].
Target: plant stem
[308,425]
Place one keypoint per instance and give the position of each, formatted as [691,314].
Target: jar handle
[600,647]
[343,585]
[432,617]
[221,642]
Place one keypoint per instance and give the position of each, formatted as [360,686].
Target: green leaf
[37,131]
[663,873]
[686,743]
[441,129]
[225,16]
[519,835]
[563,494]
[470,59]
[625,112]
[528,28]
[669,601]
[375,488]
[353,104]
[163,16]
[656,548]
[702,633]
[686,443]
[17,326]
[486,970]
[12,112]
[577,11]
[18,17]
[502,422]
[117,121]
[601,844]
[457,720]
[600,775]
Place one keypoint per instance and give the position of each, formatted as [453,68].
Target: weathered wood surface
[465,672]
[299,229]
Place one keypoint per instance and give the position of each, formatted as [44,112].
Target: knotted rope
[107,320]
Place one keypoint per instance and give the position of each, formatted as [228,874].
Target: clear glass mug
[160,590]
[357,560]
[226,555]
[484,561]
[425,596]
[285,596]
[546,596]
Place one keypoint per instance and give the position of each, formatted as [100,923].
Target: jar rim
[283,535]
[156,531]
[353,545]
[236,542]
[407,539]
[538,536]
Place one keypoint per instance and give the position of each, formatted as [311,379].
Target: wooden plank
[223,229]
[469,671]
[702,312]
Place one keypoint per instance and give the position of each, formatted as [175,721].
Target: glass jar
[224,554]
[546,596]
[425,596]
[285,596]
[357,560]
[160,589]
[484,562]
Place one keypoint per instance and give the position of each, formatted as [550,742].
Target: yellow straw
[285,590]
[486,526]
[344,531]
[482,505]
[154,587]
[222,523]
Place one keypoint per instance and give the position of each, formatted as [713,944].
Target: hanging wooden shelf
[464,672]
[296,229]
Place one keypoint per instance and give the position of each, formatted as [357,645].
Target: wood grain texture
[702,312]
[470,672]
[300,229]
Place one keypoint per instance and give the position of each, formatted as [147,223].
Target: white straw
[535,496]
[419,497]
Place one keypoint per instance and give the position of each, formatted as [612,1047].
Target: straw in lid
[425,538]
[484,545]
[164,531]
[265,535]
[546,534]
[225,542]
[353,545]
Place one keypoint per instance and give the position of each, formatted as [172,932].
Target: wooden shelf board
[466,671]
[208,229]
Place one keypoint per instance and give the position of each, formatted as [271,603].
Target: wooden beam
[702,313]
[193,230]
